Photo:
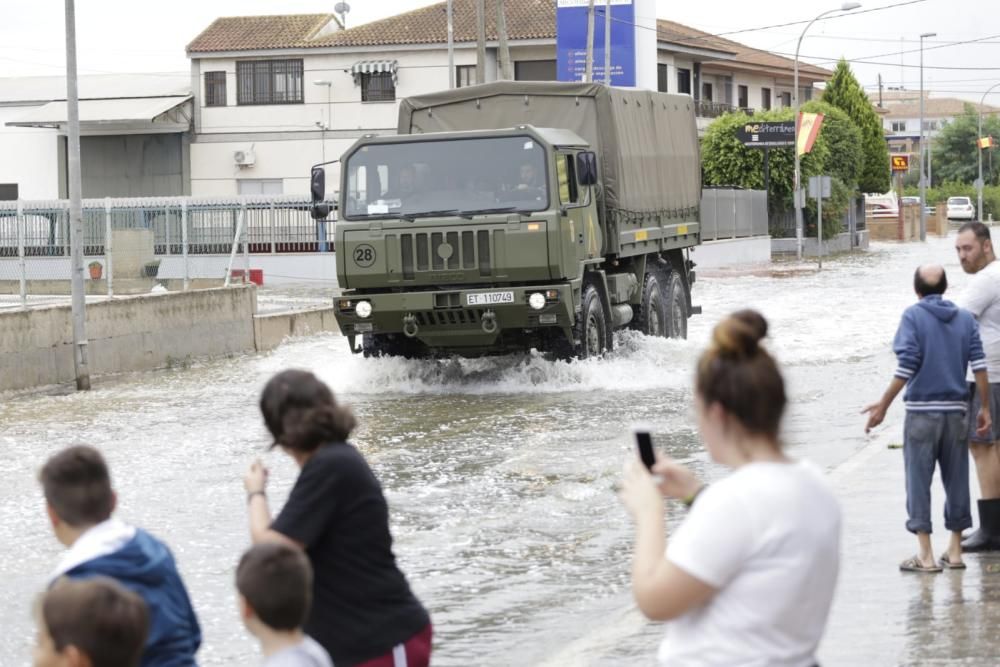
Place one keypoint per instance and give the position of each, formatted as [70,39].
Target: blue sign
[571,41]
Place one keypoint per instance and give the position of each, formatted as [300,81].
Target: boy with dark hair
[91,623]
[80,501]
[275,589]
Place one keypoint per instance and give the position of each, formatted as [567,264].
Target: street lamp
[979,151]
[797,181]
[325,126]
[923,174]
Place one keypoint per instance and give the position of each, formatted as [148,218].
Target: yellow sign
[683,229]
[900,162]
[641,235]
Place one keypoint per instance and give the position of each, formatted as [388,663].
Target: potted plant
[150,269]
[96,270]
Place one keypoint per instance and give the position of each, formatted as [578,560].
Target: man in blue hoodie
[79,501]
[935,343]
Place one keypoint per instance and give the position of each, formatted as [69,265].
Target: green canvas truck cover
[646,142]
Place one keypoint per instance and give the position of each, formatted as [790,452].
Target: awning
[373,66]
[133,111]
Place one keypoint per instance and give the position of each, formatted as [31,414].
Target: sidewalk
[882,616]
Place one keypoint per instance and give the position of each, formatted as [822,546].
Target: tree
[954,149]
[844,92]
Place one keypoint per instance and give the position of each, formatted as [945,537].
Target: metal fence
[128,238]
[782,224]
[731,214]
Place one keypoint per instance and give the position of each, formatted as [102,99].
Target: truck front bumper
[464,317]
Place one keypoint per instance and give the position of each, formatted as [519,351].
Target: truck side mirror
[317,185]
[586,168]
[319,211]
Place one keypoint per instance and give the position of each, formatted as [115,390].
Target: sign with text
[767,135]
[571,41]
[900,162]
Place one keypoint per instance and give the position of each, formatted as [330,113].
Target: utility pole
[880,90]
[923,146]
[589,76]
[503,53]
[451,48]
[607,42]
[480,41]
[75,206]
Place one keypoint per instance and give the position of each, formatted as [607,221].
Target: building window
[899,126]
[215,89]
[661,78]
[535,70]
[260,186]
[765,98]
[706,92]
[684,81]
[742,97]
[786,99]
[465,75]
[8,191]
[378,87]
[269,82]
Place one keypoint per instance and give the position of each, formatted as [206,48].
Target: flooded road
[499,472]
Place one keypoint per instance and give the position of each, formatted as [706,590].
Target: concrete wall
[35,168]
[733,252]
[271,329]
[839,243]
[126,334]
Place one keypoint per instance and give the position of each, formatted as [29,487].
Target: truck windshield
[424,178]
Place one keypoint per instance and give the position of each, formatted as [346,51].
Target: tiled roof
[248,33]
[939,107]
[526,20]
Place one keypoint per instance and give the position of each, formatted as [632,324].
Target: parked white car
[882,206]
[961,208]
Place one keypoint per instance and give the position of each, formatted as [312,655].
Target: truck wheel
[676,302]
[651,318]
[388,345]
[591,328]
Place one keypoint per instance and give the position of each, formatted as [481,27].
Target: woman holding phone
[748,578]
[363,612]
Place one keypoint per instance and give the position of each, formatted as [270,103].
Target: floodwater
[500,473]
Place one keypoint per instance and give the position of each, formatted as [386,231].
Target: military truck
[516,215]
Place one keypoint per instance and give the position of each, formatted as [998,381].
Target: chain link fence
[130,245]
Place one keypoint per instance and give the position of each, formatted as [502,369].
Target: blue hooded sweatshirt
[934,345]
[146,566]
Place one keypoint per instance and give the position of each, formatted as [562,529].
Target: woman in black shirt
[363,611]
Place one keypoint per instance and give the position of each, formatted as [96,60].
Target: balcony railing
[709,109]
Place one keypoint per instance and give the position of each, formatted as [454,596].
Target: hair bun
[738,336]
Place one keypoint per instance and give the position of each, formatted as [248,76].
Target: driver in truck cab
[529,177]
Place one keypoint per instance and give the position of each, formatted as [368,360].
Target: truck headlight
[537,300]
[363,309]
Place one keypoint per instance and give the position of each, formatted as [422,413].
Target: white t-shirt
[307,654]
[768,538]
[981,297]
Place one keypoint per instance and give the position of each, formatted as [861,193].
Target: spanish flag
[985,142]
[809,124]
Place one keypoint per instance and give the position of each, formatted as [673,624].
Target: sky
[963,60]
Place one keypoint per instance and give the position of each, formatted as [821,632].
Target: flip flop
[948,565]
[913,564]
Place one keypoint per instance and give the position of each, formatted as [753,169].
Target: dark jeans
[929,438]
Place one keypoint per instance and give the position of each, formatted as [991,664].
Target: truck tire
[388,345]
[591,328]
[676,306]
[651,314]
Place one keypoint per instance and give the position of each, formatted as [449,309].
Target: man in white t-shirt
[982,298]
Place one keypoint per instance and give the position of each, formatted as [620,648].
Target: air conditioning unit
[244,158]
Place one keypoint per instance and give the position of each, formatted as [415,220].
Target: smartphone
[644,442]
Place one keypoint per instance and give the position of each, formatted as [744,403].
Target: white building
[277,94]
[134,128]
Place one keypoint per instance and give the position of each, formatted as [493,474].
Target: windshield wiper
[431,214]
[379,216]
[498,209]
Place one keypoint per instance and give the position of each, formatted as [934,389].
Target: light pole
[923,172]
[979,152]
[325,125]
[797,181]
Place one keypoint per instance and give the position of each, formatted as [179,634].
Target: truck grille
[470,317]
[469,250]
